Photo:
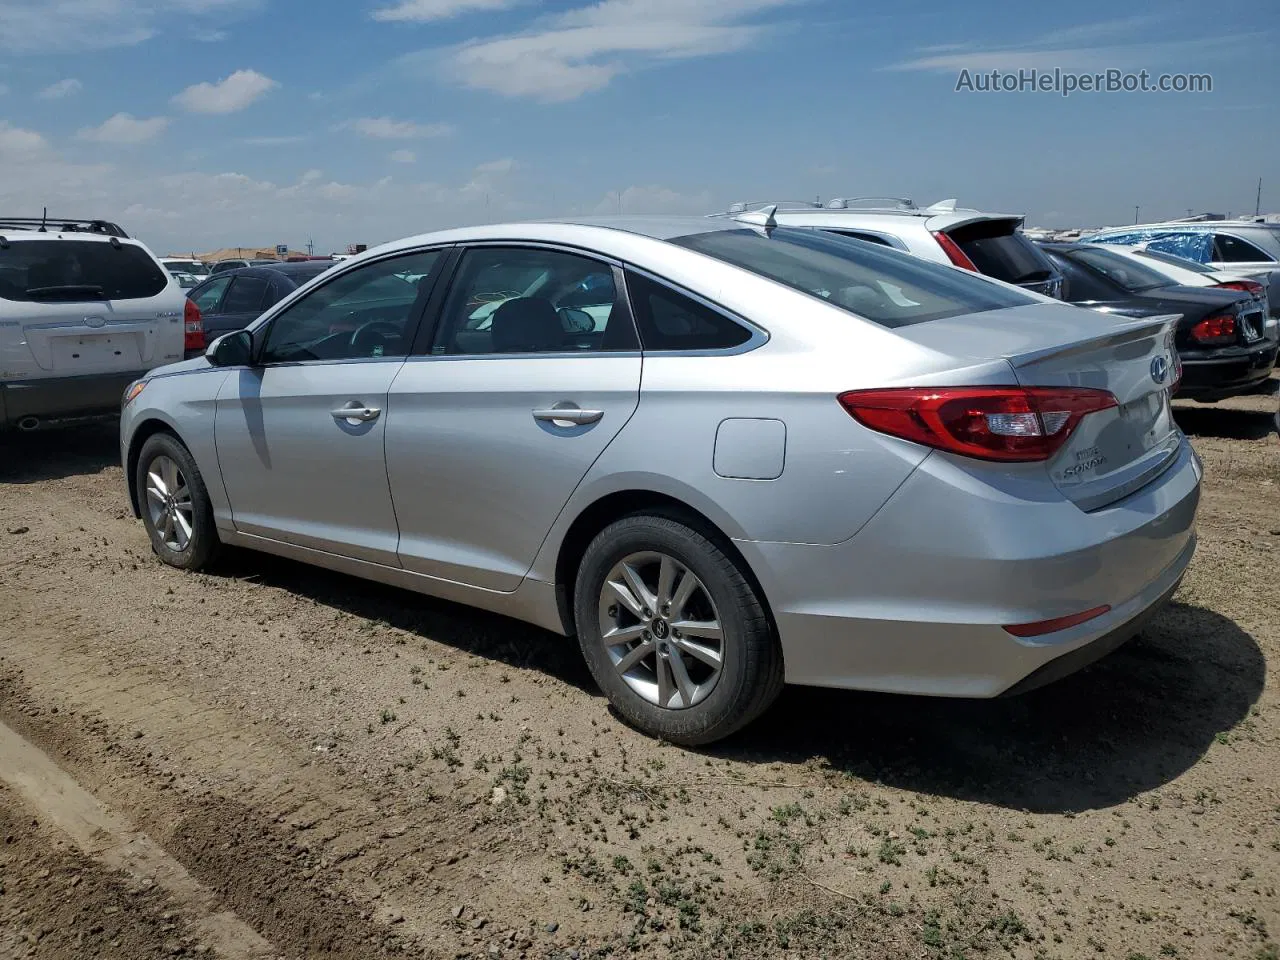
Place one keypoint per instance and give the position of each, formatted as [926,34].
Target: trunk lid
[1113,452]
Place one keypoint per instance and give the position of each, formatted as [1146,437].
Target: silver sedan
[722,453]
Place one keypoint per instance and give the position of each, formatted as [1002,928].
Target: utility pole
[1257,204]
[1188,213]
[311,247]
[1136,208]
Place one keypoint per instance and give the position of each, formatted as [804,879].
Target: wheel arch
[147,428]
[624,503]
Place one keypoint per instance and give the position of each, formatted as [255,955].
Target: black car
[231,300]
[1223,340]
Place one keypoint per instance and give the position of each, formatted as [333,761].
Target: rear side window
[999,250]
[1229,249]
[1083,285]
[247,295]
[880,284]
[75,270]
[1192,246]
[669,320]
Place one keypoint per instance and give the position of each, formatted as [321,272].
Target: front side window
[1229,249]
[1192,246]
[247,295]
[68,271]
[524,300]
[368,312]
[209,293]
[882,285]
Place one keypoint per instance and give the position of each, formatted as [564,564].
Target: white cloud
[68,26]
[18,143]
[496,167]
[384,128]
[654,199]
[582,50]
[209,36]
[423,10]
[125,128]
[228,95]
[403,156]
[63,88]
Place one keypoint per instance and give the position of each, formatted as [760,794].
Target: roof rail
[843,203]
[736,209]
[63,225]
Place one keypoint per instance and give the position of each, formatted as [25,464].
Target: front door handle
[565,414]
[356,412]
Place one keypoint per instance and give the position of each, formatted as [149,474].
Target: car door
[242,303]
[532,369]
[300,432]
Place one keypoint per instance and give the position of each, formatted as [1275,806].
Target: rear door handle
[567,415]
[356,412]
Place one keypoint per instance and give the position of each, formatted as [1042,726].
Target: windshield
[186,266]
[1133,276]
[77,270]
[878,283]
[1174,260]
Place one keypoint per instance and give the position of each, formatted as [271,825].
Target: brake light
[952,249]
[1251,287]
[1215,330]
[193,327]
[1041,627]
[1014,424]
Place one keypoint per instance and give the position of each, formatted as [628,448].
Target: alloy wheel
[169,503]
[661,630]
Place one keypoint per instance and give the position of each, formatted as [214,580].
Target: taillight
[989,423]
[193,327]
[1251,287]
[1215,330]
[953,251]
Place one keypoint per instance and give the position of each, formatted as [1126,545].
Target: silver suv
[84,311]
[986,243]
[1243,246]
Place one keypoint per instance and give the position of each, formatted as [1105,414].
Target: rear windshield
[884,285]
[1130,274]
[73,270]
[999,250]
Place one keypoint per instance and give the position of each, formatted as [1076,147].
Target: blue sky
[198,123]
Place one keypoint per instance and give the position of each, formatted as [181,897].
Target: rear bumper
[917,600]
[63,398]
[1220,376]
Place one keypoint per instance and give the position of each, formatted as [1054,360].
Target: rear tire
[175,504]
[692,660]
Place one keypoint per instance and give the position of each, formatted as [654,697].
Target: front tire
[674,632]
[176,508]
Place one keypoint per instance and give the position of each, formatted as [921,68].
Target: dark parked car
[230,300]
[1223,338]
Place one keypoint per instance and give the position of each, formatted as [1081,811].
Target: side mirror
[233,349]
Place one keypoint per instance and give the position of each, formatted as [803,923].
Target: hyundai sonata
[722,453]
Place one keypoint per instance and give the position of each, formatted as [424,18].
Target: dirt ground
[350,771]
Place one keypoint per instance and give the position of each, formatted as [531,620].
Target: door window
[1193,246]
[207,297]
[1229,249]
[371,311]
[248,294]
[524,300]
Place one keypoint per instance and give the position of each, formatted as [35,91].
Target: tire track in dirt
[110,840]
[275,838]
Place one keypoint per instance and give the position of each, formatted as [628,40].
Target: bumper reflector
[1041,627]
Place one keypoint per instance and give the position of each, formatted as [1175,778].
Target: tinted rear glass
[884,285]
[998,250]
[76,270]
[1130,274]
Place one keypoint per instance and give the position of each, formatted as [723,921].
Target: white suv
[84,311]
[986,243]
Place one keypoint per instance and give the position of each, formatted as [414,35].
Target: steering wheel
[362,338]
